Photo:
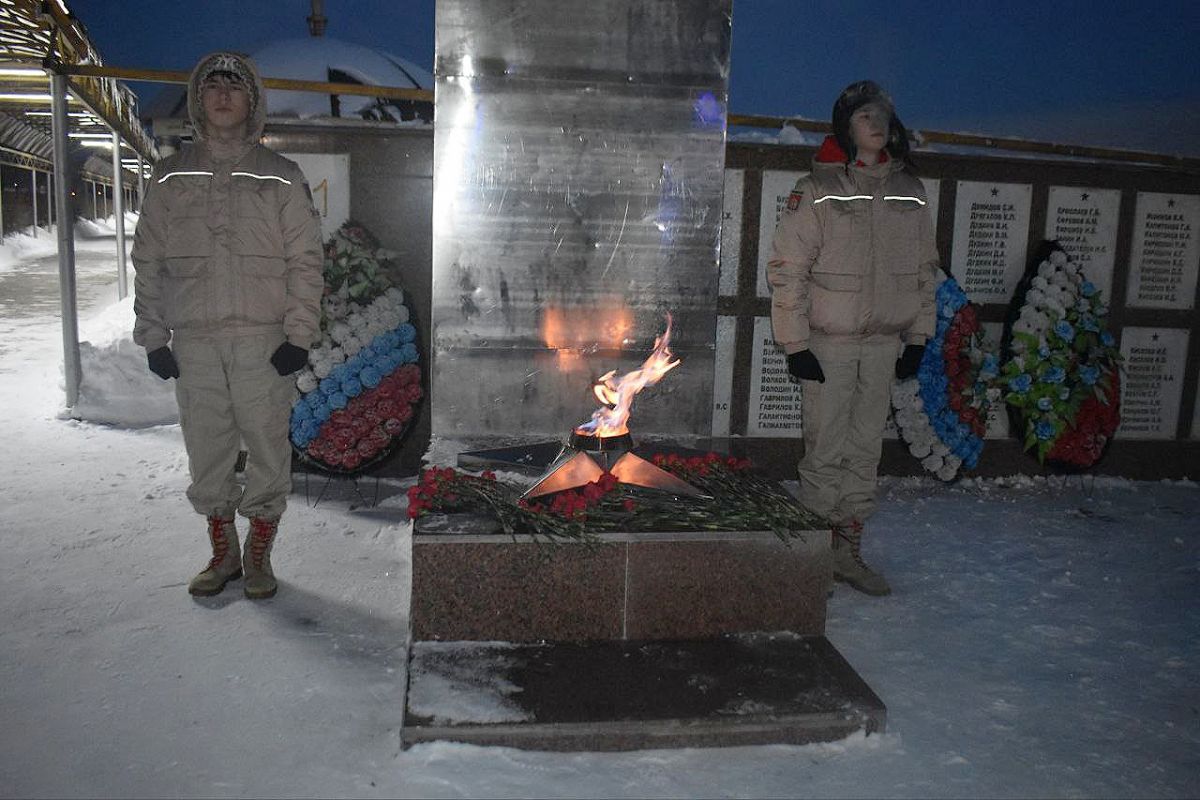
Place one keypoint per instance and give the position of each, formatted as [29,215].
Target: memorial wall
[1134,229]
[578,191]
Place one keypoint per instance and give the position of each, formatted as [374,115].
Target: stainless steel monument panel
[579,156]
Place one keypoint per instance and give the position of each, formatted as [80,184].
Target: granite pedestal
[639,640]
[627,586]
[730,690]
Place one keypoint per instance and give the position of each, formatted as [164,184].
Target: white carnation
[403,312]
[1045,269]
[323,369]
[340,332]
[337,355]
[307,381]
[1058,258]
[351,346]
[395,294]
[947,472]
[1040,283]
[932,462]
[939,448]
[919,449]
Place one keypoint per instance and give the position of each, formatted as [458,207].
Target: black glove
[288,358]
[162,363]
[909,361]
[803,366]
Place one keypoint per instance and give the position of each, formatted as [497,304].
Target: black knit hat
[854,97]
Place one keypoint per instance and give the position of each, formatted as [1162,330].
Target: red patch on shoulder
[794,199]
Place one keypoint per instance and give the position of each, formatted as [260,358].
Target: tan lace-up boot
[848,564]
[260,579]
[226,562]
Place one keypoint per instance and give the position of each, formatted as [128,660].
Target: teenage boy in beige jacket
[853,271]
[227,296]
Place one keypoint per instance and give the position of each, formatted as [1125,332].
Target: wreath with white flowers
[359,392]
[942,412]
[1061,376]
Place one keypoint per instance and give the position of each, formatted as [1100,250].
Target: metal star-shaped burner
[586,458]
[601,445]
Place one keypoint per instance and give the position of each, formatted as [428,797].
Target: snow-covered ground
[1042,641]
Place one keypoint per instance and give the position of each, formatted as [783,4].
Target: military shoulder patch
[794,200]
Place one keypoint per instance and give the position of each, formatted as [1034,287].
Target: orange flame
[617,393]
[581,330]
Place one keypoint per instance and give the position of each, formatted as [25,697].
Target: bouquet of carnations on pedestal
[1061,378]
[942,413]
[359,392]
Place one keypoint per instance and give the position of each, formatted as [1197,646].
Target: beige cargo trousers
[229,393]
[842,421]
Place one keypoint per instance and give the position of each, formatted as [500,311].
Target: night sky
[1101,72]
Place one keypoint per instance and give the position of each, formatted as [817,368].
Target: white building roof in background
[313,58]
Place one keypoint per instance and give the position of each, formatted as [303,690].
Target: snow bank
[117,388]
[105,227]
[22,247]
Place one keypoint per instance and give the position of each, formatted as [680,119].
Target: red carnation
[409,373]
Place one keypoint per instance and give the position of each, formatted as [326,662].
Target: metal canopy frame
[40,37]
[40,41]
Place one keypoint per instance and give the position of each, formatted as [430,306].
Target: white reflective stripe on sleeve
[176,174]
[263,177]
[902,197]
[843,197]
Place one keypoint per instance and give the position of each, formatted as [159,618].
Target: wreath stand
[330,478]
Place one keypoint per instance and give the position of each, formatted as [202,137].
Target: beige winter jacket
[228,240]
[853,255]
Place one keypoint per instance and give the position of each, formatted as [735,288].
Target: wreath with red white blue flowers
[942,412]
[362,385]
